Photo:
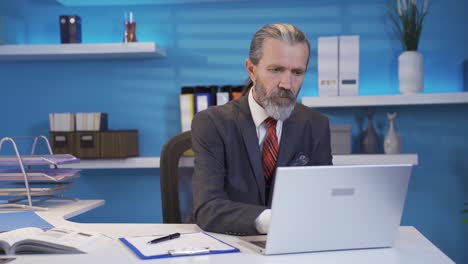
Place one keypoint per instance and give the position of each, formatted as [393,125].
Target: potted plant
[407,18]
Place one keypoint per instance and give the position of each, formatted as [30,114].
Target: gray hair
[284,32]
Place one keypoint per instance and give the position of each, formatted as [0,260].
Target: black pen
[164,238]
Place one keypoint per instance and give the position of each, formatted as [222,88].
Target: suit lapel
[249,134]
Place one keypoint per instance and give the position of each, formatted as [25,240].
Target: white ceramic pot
[410,72]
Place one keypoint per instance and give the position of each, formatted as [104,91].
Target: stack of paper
[64,122]
[91,121]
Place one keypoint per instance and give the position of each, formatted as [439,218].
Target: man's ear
[251,68]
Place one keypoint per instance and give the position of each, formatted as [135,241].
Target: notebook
[323,208]
[14,220]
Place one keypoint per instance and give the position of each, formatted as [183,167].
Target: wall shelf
[128,163]
[138,50]
[154,162]
[385,100]
[134,2]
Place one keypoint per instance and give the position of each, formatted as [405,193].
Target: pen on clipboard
[164,238]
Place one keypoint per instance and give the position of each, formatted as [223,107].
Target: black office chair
[171,179]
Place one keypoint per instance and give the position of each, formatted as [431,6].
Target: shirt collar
[258,113]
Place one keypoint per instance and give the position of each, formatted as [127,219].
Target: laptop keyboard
[261,244]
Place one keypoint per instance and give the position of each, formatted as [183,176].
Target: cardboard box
[96,144]
[119,144]
[340,139]
[62,142]
[87,145]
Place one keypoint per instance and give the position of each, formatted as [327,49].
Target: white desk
[410,247]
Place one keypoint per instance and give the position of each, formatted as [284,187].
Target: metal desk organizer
[18,176]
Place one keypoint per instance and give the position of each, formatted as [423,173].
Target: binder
[187,108]
[224,94]
[202,98]
[349,65]
[214,92]
[328,66]
[189,244]
[237,91]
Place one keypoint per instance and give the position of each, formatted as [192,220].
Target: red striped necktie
[269,150]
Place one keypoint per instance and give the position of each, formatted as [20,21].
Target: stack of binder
[194,99]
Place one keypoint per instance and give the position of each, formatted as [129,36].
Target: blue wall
[207,44]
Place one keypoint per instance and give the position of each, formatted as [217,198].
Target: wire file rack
[28,179]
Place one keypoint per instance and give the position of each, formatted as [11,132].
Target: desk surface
[410,246]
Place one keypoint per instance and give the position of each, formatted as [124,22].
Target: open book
[32,240]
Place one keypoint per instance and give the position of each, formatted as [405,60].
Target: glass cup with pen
[130,28]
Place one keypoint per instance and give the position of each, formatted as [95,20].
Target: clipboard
[188,244]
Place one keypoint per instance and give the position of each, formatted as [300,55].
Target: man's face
[278,76]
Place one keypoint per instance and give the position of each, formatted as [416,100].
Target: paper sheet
[184,242]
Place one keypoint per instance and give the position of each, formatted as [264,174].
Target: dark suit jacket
[228,184]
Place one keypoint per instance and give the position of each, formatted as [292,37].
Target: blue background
[207,44]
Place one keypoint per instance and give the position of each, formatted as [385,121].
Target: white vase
[392,144]
[410,72]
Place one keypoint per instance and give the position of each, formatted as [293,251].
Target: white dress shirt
[259,115]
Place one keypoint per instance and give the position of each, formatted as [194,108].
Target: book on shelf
[57,240]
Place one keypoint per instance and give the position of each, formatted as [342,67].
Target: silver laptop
[324,208]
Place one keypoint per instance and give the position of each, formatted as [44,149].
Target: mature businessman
[239,145]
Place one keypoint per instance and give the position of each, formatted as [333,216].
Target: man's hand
[263,221]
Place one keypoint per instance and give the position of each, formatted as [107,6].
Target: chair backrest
[169,172]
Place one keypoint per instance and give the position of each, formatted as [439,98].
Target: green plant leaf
[465,221]
[464,211]
[409,24]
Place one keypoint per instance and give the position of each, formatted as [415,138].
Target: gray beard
[277,110]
